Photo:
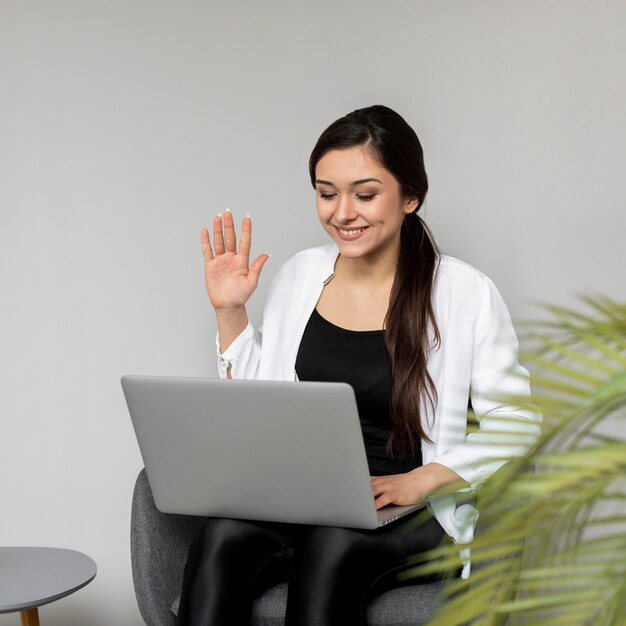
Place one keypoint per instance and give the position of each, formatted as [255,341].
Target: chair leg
[30,617]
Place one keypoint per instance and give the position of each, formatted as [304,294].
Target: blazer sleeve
[504,430]
[241,358]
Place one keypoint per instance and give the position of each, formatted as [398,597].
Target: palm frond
[553,548]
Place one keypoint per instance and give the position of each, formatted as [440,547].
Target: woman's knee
[332,547]
[223,534]
[228,539]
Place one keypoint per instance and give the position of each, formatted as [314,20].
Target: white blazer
[476,359]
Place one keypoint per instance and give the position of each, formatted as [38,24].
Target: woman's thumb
[257,265]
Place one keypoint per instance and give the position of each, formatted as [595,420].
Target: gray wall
[126,125]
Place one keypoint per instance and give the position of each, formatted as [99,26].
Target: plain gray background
[126,125]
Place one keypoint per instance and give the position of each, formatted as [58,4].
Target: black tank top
[333,354]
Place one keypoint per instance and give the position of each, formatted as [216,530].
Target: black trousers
[332,572]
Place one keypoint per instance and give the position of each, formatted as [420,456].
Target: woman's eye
[326,195]
[366,197]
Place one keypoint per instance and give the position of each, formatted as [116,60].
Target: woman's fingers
[381,495]
[383,500]
[399,489]
[246,236]
[230,238]
[378,484]
[218,235]
[225,239]
[205,242]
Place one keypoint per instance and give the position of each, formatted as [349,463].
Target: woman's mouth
[350,234]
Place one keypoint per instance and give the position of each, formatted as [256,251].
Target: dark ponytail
[410,328]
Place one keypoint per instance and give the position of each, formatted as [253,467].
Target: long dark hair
[410,328]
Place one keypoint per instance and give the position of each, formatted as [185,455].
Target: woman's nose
[345,211]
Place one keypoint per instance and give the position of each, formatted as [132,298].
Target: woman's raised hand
[229,278]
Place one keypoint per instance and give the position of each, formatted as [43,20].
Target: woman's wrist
[434,476]
[231,322]
[230,312]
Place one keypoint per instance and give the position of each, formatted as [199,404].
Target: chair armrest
[159,543]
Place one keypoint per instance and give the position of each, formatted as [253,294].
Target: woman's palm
[230,280]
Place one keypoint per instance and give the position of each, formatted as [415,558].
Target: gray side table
[30,577]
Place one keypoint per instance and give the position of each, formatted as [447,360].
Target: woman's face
[360,203]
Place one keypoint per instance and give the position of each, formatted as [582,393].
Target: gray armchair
[159,545]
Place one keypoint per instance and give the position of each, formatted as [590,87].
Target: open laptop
[250,449]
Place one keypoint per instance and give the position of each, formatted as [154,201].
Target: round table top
[30,577]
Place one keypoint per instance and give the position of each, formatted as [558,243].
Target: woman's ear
[410,204]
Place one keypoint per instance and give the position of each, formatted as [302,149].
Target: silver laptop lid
[249,449]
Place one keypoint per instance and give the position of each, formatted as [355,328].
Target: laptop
[250,449]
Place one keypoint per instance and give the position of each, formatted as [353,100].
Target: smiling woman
[348,207]
[417,334]
[378,156]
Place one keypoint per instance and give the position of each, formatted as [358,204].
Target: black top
[329,353]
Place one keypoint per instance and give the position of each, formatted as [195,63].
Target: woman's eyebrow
[319,181]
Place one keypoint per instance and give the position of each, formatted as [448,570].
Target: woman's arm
[241,359]
[230,324]
[504,430]
[230,281]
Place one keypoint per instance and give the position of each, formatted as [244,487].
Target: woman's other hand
[414,486]
[230,280]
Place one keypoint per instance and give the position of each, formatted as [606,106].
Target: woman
[417,334]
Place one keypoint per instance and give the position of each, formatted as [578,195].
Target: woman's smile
[350,234]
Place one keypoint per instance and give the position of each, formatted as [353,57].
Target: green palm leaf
[553,551]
